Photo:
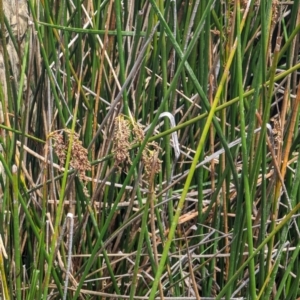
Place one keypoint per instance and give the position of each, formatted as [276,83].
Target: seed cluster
[150,159]
[277,133]
[121,146]
[79,155]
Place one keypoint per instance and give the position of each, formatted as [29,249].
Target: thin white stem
[174,134]
[71,217]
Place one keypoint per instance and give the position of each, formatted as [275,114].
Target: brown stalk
[191,271]
[288,144]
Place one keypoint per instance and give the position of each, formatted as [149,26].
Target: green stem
[121,53]
[284,221]
[245,156]
[17,242]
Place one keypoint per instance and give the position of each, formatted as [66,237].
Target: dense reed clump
[150,149]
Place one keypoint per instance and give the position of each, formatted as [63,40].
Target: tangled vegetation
[150,149]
